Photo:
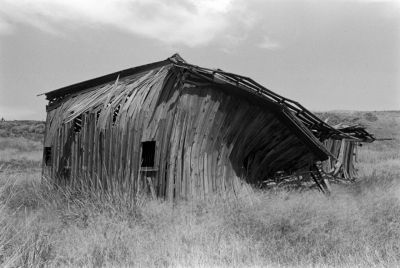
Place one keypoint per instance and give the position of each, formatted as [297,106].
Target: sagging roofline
[314,125]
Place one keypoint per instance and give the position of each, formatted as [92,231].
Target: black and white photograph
[199,133]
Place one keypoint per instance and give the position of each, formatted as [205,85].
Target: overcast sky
[328,55]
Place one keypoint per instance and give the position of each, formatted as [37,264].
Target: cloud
[230,42]
[5,27]
[188,22]
[268,43]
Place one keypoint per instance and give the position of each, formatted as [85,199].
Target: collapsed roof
[312,128]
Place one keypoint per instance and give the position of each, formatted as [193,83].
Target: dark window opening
[78,123]
[115,114]
[148,153]
[47,156]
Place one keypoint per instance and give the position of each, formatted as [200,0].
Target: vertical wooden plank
[90,147]
[95,159]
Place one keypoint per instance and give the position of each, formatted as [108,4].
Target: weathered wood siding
[208,139]
[345,152]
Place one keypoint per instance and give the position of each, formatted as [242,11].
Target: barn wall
[343,165]
[206,139]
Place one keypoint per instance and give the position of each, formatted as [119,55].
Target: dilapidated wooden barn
[178,131]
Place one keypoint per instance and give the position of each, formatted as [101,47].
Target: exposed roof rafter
[319,128]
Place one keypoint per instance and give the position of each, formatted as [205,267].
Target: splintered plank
[169,180]
[179,153]
[159,156]
[182,152]
[85,146]
[90,146]
[124,166]
[95,151]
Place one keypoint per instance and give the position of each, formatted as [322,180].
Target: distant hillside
[382,124]
[32,130]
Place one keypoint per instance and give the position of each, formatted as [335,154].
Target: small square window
[47,156]
[148,153]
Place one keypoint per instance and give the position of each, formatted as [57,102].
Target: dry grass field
[357,226]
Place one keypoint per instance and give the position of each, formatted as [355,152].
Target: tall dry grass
[20,153]
[357,226]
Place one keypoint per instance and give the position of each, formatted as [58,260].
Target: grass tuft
[357,226]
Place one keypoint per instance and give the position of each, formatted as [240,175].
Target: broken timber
[179,131]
